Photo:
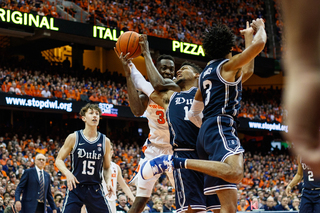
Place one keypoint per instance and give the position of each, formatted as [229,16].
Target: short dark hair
[218,41]
[164,56]
[195,67]
[89,106]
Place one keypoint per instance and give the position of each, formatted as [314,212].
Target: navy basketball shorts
[217,140]
[310,201]
[189,187]
[90,195]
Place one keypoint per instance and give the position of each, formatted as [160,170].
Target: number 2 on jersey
[310,176]
[161,119]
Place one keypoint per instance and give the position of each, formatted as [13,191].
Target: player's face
[185,73]
[92,117]
[166,68]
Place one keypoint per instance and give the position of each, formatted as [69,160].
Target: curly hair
[195,67]
[164,56]
[218,41]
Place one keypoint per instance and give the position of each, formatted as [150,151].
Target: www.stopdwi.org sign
[87,30]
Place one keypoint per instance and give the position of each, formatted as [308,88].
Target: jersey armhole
[222,79]
[76,142]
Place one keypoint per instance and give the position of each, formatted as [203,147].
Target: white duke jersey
[114,182]
[157,120]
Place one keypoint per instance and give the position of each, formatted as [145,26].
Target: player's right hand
[18,206]
[288,191]
[71,181]
[125,62]
[257,24]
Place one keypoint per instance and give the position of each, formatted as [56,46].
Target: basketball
[128,42]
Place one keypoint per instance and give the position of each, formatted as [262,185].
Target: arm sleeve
[195,114]
[139,81]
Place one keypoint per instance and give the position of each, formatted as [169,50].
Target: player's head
[188,71]
[218,41]
[90,114]
[165,66]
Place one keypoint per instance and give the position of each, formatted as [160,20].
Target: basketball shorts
[217,140]
[150,151]
[189,187]
[91,195]
[310,201]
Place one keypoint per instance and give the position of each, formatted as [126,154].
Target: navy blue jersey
[183,133]
[219,96]
[87,158]
[309,181]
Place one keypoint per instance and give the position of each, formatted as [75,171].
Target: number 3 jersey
[157,121]
[220,97]
[87,158]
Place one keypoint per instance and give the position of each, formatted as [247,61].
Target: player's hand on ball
[256,24]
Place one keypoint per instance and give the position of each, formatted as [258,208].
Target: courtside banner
[248,124]
[59,105]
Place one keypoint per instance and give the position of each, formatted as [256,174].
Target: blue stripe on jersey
[309,181]
[183,133]
[219,96]
[87,158]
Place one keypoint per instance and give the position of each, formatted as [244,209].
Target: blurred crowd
[265,176]
[262,104]
[63,86]
[181,20]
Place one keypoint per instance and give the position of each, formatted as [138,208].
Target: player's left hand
[144,44]
[109,189]
[248,31]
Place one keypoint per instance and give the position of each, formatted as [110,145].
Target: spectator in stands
[295,204]
[242,207]
[13,89]
[46,93]
[168,202]
[284,205]
[270,204]
[122,207]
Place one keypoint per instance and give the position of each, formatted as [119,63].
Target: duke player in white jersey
[158,141]
[116,177]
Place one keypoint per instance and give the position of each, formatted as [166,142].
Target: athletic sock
[179,163]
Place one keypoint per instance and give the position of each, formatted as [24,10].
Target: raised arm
[257,45]
[157,81]
[247,70]
[138,101]
[63,153]
[124,185]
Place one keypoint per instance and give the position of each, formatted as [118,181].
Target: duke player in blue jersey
[310,199]
[219,96]
[183,133]
[90,159]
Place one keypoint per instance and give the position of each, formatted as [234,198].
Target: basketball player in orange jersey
[302,63]
[158,141]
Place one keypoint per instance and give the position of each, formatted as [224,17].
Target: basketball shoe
[157,165]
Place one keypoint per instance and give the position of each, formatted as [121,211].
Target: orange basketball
[128,42]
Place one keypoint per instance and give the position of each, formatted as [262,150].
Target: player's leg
[306,204]
[228,199]
[72,202]
[144,187]
[231,170]
[112,204]
[95,199]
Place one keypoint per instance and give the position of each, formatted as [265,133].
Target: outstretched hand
[144,44]
[125,62]
[256,24]
[248,31]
